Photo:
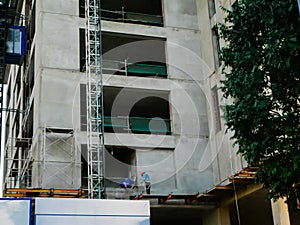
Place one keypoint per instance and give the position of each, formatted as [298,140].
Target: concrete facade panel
[67,7]
[193,157]
[59,46]
[180,14]
[60,96]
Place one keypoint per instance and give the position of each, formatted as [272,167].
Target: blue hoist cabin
[15,44]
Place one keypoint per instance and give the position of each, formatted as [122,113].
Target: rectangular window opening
[216,47]
[120,164]
[129,55]
[128,110]
[211,8]
[217,118]
[145,112]
[133,11]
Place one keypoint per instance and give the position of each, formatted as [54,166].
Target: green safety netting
[149,124]
[120,122]
[147,69]
[140,124]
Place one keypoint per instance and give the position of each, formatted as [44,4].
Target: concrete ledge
[140,140]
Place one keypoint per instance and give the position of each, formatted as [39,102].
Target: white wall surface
[91,211]
[15,211]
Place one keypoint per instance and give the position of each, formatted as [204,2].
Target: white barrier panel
[15,211]
[51,211]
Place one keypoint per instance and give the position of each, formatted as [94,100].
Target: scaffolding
[59,159]
[18,160]
[95,139]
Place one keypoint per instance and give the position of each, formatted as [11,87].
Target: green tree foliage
[261,67]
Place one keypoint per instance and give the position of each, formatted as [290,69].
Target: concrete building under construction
[102,90]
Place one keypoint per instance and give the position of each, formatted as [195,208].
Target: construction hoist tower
[95,136]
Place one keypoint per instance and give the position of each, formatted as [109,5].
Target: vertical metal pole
[102,155]
[95,129]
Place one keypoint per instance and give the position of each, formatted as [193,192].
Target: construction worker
[146,181]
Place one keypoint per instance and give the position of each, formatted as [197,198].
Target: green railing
[117,122]
[133,69]
[147,69]
[139,124]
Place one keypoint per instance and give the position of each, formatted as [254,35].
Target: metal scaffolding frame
[18,160]
[95,139]
[58,155]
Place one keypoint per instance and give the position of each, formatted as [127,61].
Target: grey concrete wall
[197,157]
[56,95]
[180,14]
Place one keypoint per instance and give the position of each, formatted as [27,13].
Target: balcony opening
[120,163]
[138,111]
[133,55]
[128,110]
[130,55]
[133,11]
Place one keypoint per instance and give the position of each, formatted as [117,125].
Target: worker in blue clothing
[126,183]
[146,181]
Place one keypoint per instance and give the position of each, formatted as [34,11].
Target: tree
[261,69]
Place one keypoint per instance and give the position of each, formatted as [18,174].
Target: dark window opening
[119,164]
[216,108]
[129,110]
[216,47]
[84,167]
[82,50]
[17,124]
[83,108]
[136,111]
[6,131]
[130,55]
[133,11]
[211,8]
[82,8]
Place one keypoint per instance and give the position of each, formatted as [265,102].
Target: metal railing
[133,69]
[132,17]
[138,124]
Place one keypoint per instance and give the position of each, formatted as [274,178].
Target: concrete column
[280,212]
[218,216]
